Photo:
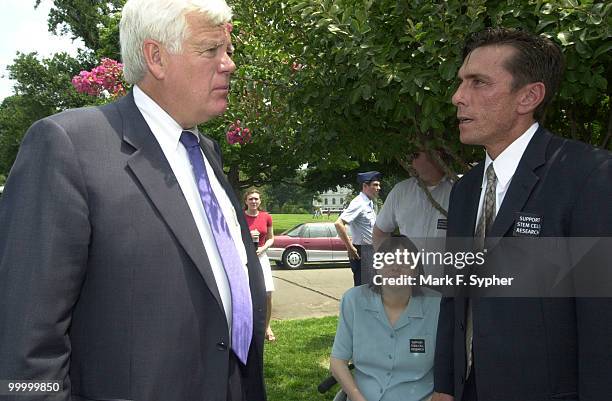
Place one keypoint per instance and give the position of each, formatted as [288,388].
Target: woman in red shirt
[260,224]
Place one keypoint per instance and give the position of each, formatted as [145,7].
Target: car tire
[294,258]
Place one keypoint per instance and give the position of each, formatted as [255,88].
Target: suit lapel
[473,198]
[152,170]
[522,184]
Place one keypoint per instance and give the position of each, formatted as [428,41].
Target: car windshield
[318,231]
[294,232]
[309,230]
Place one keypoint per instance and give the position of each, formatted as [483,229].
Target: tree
[379,75]
[334,86]
[84,19]
[42,88]
[259,98]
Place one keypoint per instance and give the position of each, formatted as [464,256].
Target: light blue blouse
[391,363]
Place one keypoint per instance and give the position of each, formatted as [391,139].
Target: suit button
[462,380]
[460,325]
[221,346]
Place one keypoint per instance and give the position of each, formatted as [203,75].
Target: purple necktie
[242,308]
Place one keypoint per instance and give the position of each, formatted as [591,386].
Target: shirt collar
[506,163]
[167,130]
[373,303]
[365,198]
[442,181]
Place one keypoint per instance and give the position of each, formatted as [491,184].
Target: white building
[333,200]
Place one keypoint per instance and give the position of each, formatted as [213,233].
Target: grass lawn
[284,222]
[298,360]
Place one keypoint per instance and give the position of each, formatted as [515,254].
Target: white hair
[163,21]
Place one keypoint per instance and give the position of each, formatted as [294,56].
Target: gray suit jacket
[105,282]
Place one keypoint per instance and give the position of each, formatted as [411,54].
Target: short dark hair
[537,59]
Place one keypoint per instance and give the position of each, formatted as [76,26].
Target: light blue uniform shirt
[361,216]
[391,363]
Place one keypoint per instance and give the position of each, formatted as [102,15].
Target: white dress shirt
[505,166]
[360,215]
[167,132]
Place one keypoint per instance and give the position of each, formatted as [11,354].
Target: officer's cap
[368,176]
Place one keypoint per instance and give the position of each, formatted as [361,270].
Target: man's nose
[227,64]
[458,96]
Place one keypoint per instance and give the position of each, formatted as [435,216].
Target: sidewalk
[310,292]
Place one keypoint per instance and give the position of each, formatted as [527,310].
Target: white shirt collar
[169,132]
[506,163]
[365,198]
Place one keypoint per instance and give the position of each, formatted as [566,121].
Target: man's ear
[531,96]
[154,54]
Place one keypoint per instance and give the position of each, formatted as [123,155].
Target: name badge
[442,224]
[527,225]
[417,345]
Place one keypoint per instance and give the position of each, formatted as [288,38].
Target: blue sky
[22,28]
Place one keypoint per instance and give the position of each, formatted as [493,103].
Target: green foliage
[17,113]
[109,38]
[48,80]
[81,18]
[343,85]
[42,88]
[379,75]
[259,98]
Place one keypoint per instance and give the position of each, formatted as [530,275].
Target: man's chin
[219,108]
[468,137]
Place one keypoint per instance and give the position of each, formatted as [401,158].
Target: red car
[308,242]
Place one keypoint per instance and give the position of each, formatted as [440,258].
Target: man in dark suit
[523,349]
[126,269]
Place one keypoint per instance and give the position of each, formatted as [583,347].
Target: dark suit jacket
[534,349]
[105,281]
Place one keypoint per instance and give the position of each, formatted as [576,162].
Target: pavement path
[310,292]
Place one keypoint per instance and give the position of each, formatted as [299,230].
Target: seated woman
[389,332]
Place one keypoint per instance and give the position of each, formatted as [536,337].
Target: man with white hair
[123,265]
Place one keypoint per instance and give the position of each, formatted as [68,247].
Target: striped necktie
[487,216]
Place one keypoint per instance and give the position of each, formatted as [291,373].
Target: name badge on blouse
[417,345]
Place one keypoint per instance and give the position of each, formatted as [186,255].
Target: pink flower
[106,77]
[238,135]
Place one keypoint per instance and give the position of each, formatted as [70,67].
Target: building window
[333,201]
[326,201]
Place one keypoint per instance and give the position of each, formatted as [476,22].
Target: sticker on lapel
[417,345]
[527,225]
[442,224]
